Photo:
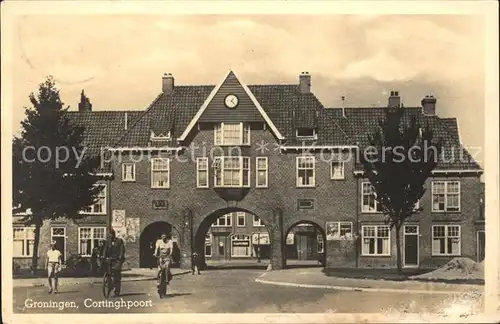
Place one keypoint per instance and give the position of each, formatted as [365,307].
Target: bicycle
[108,280]
[162,286]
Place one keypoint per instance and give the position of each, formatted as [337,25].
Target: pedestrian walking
[53,266]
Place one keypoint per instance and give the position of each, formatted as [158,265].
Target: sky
[119,60]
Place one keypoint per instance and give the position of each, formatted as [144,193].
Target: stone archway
[149,235]
[305,241]
[223,244]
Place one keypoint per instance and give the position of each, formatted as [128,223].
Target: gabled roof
[212,94]
[283,105]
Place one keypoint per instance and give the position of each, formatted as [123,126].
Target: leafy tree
[398,161]
[52,175]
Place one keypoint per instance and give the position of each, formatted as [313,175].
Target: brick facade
[190,210]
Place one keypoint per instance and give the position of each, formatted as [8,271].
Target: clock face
[231,101]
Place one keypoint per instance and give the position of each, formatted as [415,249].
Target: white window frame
[320,241]
[25,239]
[199,162]
[446,193]
[64,235]
[91,238]
[313,136]
[165,169]
[226,217]
[446,237]
[298,168]
[240,215]
[375,237]
[103,195]
[256,223]
[342,167]
[219,168]
[208,242]
[257,170]
[219,134]
[124,179]
[363,209]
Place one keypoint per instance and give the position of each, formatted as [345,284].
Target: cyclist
[114,248]
[163,253]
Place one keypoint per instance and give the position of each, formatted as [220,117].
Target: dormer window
[306,133]
[160,137]
[232,134]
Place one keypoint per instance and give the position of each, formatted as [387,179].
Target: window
[376,240]
[369,203]
[202,172]
[257,222]
[99,207]
[240,245]
[232,134]
[240,219]
[321,244]
[160,173]
[23,240]
[261,173]
[224,220]
[337,170]
[305,204]
[128,171]
[305,171]
[446,196]
[445,240]
[306,133]
[89,238]
[208,245]
[338,230]
[232,171]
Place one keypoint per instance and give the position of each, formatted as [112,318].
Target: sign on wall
[332,231]
[118,218]
[260,239]
[241,243]
[132,228]
[290,239]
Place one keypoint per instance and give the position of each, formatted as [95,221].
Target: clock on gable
[231,101]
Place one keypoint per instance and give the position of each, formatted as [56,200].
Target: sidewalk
[315,278]
[136,274]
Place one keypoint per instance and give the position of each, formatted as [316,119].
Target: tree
[399,160]
[52,175]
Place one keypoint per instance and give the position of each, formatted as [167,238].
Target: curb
[359,289]
[97,281]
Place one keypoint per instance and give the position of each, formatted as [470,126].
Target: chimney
[305,82]
[126,120]
[394,100]
[343,106]
[167,85]
[84,104]
[429,105]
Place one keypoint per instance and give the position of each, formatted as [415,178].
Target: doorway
[147,243]
[411,248]
[58,234]
[481,245]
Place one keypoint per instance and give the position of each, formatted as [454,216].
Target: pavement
[136,274]
[315,278]
[227,291]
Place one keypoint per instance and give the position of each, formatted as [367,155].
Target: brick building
[200,152]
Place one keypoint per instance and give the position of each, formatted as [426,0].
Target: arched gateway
[147,241]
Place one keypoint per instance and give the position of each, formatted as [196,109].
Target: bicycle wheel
[162,289]
[107,285]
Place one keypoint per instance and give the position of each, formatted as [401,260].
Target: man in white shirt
[53,265]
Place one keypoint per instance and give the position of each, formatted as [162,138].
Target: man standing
[163,252]
[53,265]
[114,248]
